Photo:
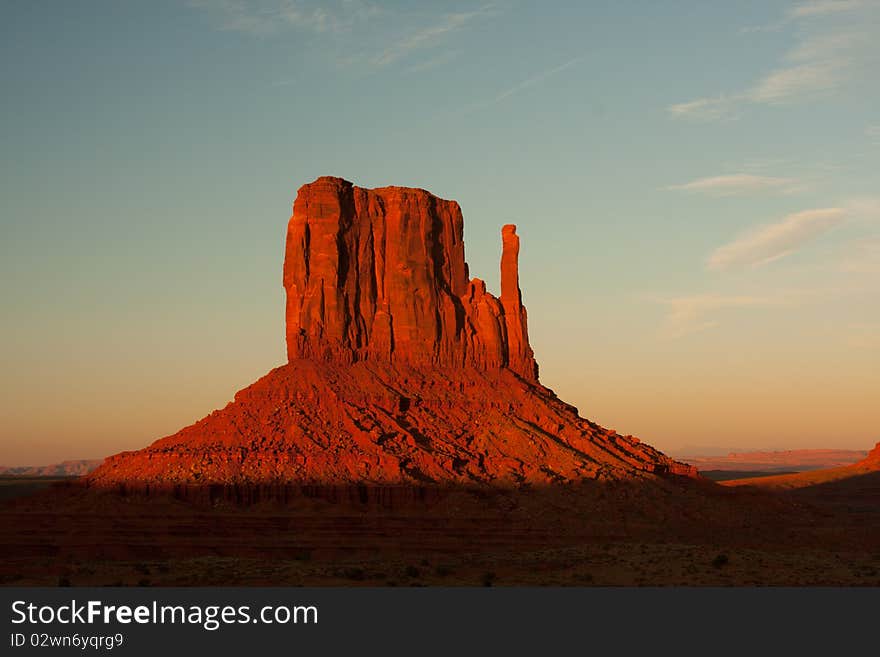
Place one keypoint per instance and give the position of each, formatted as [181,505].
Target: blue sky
[695,185]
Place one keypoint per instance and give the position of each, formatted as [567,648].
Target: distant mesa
[402,369]
[778,460]
[869,465]
[74,468]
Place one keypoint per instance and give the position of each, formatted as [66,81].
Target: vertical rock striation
[519,353]
[402,370]
[380,274]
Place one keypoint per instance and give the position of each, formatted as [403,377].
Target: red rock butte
[379,274]
[401,369]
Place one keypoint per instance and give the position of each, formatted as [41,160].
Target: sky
[696,186]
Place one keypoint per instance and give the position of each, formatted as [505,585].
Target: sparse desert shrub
[720,561]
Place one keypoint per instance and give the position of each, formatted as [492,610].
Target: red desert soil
[408,440]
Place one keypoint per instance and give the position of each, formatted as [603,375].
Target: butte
[402,370]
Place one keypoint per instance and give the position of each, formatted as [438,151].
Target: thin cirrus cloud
[777,240]
[403,30]
[687,315]
[520,86]
[692,314]
[267,17]
[826,45]
[823,7]
[782,85]
[706,109]
[809,10]
[433,62]
[535,79]
[424,37]
[823,59]
[785,84]
[738,183]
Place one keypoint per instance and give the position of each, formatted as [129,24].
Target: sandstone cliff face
[402,370]
[380,274]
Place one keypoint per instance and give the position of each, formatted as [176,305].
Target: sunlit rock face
[402,370]
[380,274]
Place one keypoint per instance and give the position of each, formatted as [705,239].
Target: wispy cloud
[788,83]
[522,85]
[782,85]
[853,270]
[738,183]
[823,60]
[861,256]
[825,45]
[433,62]
[865,209]
[775,241]
[872,132]
[693,314]
[425,36]
[705,109]
[690,314]
[535,79]
[401,31]
[770,27]
[807,10]
[266,17]
[823,7]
